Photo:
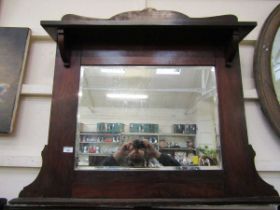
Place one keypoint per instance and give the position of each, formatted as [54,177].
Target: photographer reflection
[139,153]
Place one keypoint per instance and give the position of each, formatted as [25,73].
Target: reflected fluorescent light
[113,70]
[168,71]
[213,69]
[80,94]
[126,96]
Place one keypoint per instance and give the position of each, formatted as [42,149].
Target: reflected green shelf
[95,154]
[137,134]
[176,149]
[92,142]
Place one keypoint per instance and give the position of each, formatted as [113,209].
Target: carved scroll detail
[232,48]
[63,48]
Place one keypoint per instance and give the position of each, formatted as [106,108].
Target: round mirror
[267,68]
[275,64]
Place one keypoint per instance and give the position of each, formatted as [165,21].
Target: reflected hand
[123,151]
[151,151]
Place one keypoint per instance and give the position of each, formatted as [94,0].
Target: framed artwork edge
[22,59]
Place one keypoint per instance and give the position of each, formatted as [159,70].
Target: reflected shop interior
[148,118]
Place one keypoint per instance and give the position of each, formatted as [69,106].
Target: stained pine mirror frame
[149,37]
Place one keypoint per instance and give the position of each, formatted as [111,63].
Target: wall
[20,151]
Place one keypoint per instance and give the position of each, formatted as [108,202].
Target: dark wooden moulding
[147,37]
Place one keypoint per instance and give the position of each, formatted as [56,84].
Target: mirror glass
[275,64]
[148,118]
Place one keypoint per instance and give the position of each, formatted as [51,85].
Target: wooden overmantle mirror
[194,117]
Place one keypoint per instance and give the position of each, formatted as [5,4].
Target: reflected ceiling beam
[90,96]
[205,74]
[208,93]
[204,95]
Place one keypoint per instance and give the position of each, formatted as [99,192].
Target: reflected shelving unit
[94,147]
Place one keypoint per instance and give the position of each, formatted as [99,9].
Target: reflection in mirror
[148,118]
[275,64]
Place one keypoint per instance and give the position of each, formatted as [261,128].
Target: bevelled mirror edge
[171,110]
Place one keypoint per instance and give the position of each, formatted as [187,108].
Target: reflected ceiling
[180,91]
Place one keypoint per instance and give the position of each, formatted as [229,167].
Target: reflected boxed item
[153,139]
[190,128]
[178,128]
[136,128]
[185,128]
[195,160]
[143,128]
[83,160]
[150,128]
[181,157]
[110,127]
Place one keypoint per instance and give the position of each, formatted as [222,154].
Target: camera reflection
[139,153]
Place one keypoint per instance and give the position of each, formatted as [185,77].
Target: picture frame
[14,44]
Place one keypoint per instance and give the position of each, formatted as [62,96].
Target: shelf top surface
[149,19]
[260,200]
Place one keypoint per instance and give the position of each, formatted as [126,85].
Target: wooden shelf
[100,142]
[219,27]
[100,134]
[176,149]
[137,134]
